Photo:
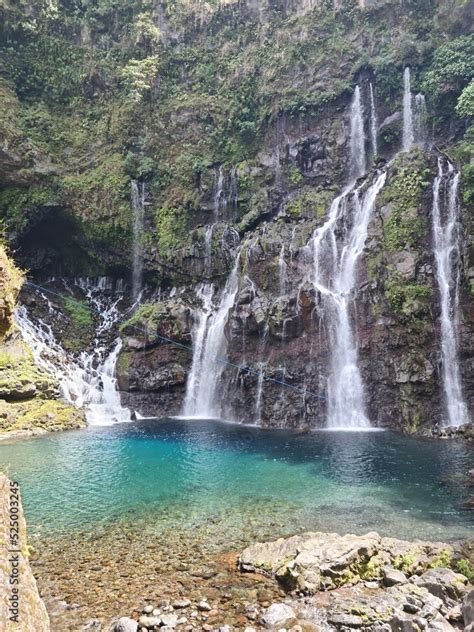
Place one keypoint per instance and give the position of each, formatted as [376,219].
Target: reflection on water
[186,472]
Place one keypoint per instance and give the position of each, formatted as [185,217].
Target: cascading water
[138,209]
[259,397]
[87,380]
[210,346]
[219,195]
[414,116]
[408,134]
[373,121]
[447,246]
[201,316]
[357,138]
[208,250]
[334,277]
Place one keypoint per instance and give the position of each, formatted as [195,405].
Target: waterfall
[208,250]
[414,116]
[420,117]
[447,245]
[282,270]
[408,134]
[334,277]
[209,347]
[357,137]
[138,208]
[258,399]
[201,316]
[219,195]
[373,121]
[87,380]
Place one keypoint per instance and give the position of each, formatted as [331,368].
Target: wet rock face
[151,373]
[280,324]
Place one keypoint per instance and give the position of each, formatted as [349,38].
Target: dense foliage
[97,92]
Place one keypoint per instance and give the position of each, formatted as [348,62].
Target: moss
[11,280]
[466,568]
[404,192]
[310,202]
[405,563]
[442,561]
[171,228]
[39,415]
[408,300]
[79,311]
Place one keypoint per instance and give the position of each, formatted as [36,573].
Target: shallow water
[188,473]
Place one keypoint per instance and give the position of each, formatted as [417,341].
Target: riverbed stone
[277,615]
[169,620]
[149,622]
[181,603]
[125,624]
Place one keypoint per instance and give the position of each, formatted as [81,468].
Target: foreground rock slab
[16,577]
[321,561]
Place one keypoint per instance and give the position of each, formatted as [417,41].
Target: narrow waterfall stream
[373,121]
[447,246]
[357,137]
[88,379]
[209,344]
[414,116]
[408,134]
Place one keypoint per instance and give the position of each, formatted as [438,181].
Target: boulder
[393,577]
[468,608]
[443,583]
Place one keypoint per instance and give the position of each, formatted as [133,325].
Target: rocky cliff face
[234,121]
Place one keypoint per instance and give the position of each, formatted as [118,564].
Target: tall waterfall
[414,116]
[210,345]
[87,380]
[357,138]
[373,121]
[447,245]
[138,208]
[334,277]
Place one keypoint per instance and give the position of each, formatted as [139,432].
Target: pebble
[149,622]
[148,609]
[181,603]
[204,606]
[169,620]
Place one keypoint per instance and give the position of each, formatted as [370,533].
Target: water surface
[190,472]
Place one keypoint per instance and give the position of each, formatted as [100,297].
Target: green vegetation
[466,568]
[97,93]
[404,192]
[78,311]
[409,300]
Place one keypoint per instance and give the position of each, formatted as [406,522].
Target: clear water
[188,472]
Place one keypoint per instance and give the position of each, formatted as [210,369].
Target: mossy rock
[38,416]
